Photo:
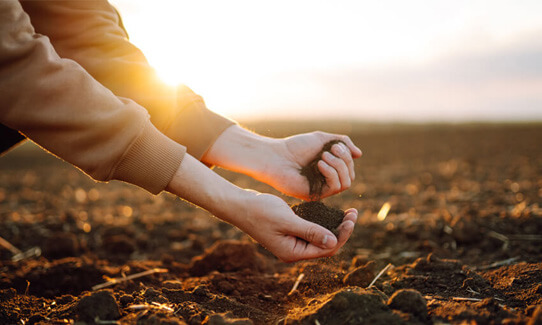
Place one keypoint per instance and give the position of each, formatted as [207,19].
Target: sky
[386,60]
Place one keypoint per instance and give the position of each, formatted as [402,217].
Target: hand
[271,222]
[278,162]
[265,217]
[297,151]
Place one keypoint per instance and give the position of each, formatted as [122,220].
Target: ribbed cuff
[151,161]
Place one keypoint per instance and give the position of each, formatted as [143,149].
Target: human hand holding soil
[266,218]
[278,162]
[274,225]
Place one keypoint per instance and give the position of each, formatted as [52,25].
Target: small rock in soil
[409,301]
[321,214]
[99,304]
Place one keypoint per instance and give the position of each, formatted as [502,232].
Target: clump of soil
[313,175]
[229,256]
[361,276]
[347,306]
[321,214]
[409,301]
[101,305]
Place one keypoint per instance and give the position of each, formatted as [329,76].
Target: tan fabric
[57,104]
[90,33]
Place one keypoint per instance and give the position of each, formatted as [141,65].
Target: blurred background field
[471,193]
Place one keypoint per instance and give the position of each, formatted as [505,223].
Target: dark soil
[462,235]
[319,213]
[313,175]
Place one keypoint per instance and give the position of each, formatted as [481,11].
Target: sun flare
[254,59]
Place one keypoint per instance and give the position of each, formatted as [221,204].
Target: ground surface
[458,200]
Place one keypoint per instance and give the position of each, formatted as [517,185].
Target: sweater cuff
[151,161]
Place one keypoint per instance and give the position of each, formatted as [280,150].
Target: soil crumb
[313,175]
[321,214]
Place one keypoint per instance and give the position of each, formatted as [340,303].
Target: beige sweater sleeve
[91,33]
[58,105]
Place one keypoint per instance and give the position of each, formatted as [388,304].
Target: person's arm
[264,217]
[90,33]
[278,162]
[58,105]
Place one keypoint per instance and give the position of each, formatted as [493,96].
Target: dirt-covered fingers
[341,151]
[337,179]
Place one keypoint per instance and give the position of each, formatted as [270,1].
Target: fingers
[354,150]
[341,151]
[337,172]
[347,227]
[313,233]
[304,249]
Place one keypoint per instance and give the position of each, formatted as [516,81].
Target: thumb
[312,233]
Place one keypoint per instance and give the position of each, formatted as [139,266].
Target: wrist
[242,151]
[201,186]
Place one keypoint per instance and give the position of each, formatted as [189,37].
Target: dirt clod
[409,301]
[361,276]
[321,214]
[229,256]
[348,306]
[101,305]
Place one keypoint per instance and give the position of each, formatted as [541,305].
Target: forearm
[199,185]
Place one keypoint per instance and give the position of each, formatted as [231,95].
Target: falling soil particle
[321,214]
[313,175]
